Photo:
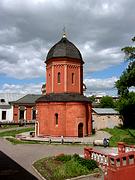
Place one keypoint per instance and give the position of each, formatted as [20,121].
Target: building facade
[6,108]
[24,109]
[105,118]
[64,110]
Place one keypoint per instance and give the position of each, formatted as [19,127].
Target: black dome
[64,48]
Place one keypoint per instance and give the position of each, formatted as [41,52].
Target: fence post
[121,147]
[87,152]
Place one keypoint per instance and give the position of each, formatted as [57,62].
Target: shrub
[89,164]
[63,157]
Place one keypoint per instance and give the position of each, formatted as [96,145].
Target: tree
[92,98]
[126,103]
[107,102]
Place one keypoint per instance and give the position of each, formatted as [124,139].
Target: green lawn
[17,131]
[65,166]
[17,141]
[6,126]
[121,134]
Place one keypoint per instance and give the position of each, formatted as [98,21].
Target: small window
[58,77]
[3,115]
[2,100]
[73,78]
[33,114]
[21,114]
[56,119]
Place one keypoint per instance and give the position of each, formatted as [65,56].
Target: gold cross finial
[64,32]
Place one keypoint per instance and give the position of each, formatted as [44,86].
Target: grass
[121,134]
[6,126]
[14,132]
[54,168]
[17,141]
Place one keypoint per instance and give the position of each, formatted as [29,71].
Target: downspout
[37,124]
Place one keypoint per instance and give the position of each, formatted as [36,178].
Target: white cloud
[29,28]
[23,89]
[100,86]
[22,61]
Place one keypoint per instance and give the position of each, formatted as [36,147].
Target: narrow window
[73,78]
[58,77]
[21,114]
[56,119]
[3,115]
[33,114]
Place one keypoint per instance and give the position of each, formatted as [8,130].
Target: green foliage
[14,132]
[126,107]
[126,103]
[69,169]
[107,102]
[129,51]
[63,158]
[121,134]
[17,141]
[127,79]
[65,166]
[92,98]
[89,164]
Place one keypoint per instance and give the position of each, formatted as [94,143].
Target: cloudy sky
[29,28]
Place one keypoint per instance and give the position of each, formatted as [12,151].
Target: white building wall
[9,114]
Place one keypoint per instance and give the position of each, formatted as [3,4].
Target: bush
[63,157]
[89,164]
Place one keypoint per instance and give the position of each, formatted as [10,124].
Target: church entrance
[80,130]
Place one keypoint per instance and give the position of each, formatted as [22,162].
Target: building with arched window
[64,110]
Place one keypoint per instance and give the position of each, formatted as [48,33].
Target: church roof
[64,48]
[63,97]
[27,99]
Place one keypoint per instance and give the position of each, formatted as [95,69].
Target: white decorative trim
[79,69]
[52,79]
[65,78]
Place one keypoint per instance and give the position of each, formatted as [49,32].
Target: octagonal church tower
[64,110]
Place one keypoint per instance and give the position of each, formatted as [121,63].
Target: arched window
[73,78]
[56,119]
[58,78]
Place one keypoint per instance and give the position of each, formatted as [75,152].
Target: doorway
[80,130]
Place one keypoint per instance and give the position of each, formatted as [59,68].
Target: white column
[52,78]
[65,78]
[79,69]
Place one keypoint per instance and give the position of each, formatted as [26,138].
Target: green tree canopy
[107,102]
[126,103]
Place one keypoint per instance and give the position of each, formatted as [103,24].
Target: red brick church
[64,110]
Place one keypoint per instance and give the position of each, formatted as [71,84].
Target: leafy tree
[126,103]
[92,98]
[107,102]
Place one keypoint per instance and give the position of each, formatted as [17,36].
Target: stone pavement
[26,154]
[85,140]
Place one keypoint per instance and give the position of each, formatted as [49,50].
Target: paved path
[84,140]
[26,154]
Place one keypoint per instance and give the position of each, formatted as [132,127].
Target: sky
[29,28]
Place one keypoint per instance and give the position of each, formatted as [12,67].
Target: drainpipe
[37,124]
[35,128]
